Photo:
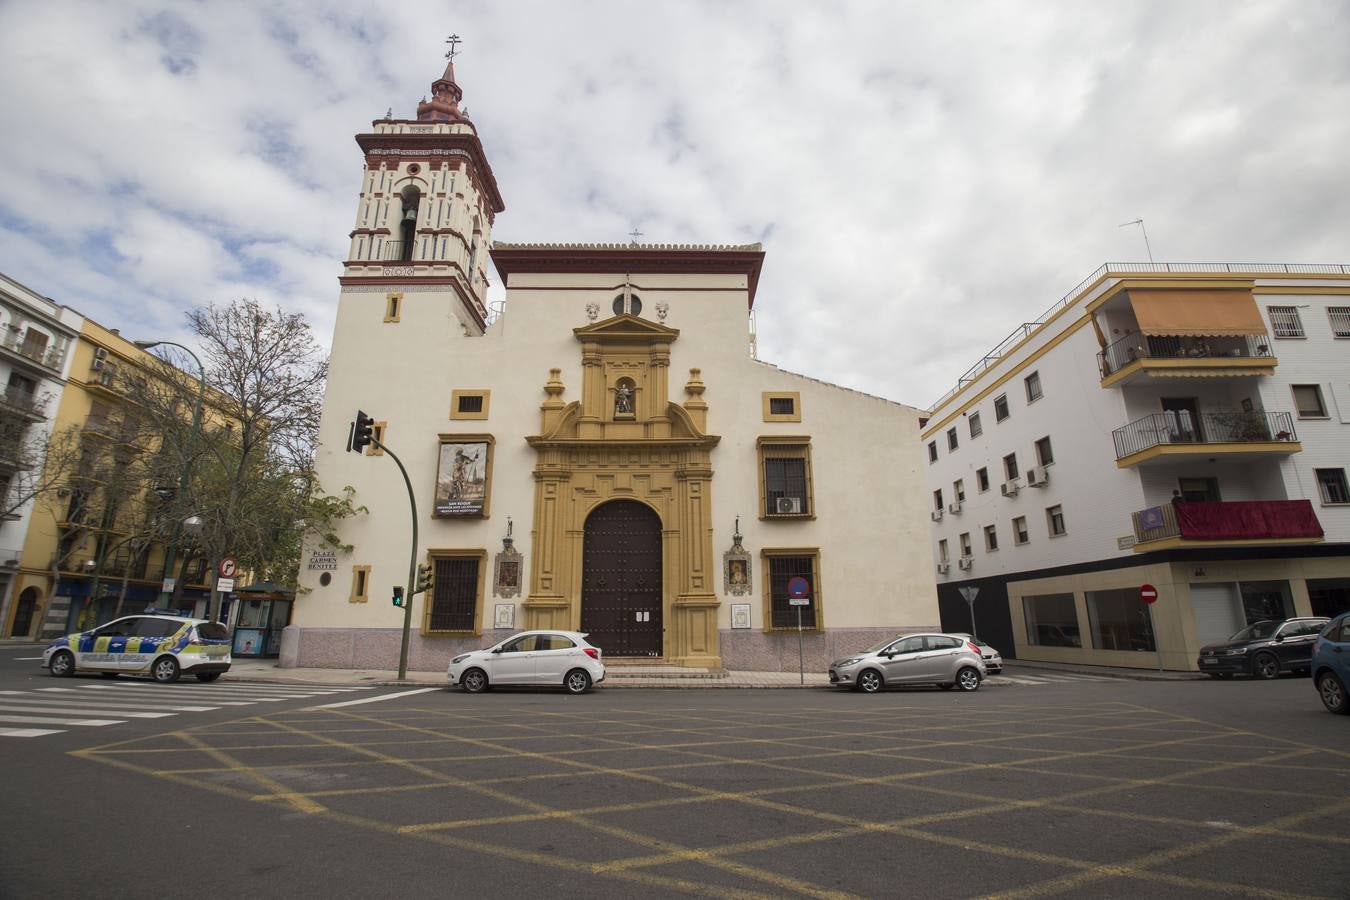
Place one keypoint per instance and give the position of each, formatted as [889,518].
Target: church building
[602,452]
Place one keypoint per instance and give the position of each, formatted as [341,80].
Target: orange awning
[1198,313]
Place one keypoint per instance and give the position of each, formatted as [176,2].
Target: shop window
[455,602]
[469,404]
[1266,600]
[1286,322]
[1054,521]
[782,406]
[785,477]
[1020,534]
[1052,620]
[982,479]
[1119,621]
[952,442]
[1331,482]
[783,566]
[1308,401]
[393,306]
[990,538]
[360,584]
[1045,455]
[1033,385]
[976,429]
[1001,408]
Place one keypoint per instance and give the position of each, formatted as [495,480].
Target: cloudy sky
[924,176]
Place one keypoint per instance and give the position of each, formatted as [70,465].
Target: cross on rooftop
[454,41]
[635,234]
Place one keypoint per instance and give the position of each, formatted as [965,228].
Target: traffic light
[424,579]
[361,432]
[398,595]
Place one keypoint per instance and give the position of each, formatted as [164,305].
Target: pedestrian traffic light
[424,579]
[361,432]
[398,595]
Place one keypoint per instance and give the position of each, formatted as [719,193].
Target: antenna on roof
[1140,223]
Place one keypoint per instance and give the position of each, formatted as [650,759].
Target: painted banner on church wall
[461,479]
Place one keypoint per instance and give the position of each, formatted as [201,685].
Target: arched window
[473,250]
[407,225]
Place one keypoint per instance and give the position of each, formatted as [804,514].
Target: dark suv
[1264,649]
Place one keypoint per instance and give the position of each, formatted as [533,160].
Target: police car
[163,647]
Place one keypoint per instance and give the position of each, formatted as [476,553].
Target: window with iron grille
[454,594]
[1340,320]
[976,429]
[937,500]
[1033,383]
[783,567]
[470,403]
[952,442]
[990,537]
[781,406]
[1333,486]
[1045,454]
[785,470]
[1285,321]
[1001,407]
[1010,466]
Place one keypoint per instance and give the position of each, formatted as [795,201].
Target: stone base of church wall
[751,650]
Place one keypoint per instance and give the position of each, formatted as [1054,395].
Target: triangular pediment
[626,328]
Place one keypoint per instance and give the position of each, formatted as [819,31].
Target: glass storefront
[1119,620]
[1052,620]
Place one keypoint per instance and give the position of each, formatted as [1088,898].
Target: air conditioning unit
[1010,488]
[954,508]
[1037,476]
[788,505]
[100,353]
[99,363]
[965,562]
[944,568]
[936,515]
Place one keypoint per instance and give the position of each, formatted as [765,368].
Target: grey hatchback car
[941,659]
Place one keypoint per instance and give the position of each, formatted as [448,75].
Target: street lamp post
[183,478]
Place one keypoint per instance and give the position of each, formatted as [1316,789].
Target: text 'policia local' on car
[163,647]
[540,658]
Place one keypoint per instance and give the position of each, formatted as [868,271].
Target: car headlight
[1237,651]
[459,659]
[850,661]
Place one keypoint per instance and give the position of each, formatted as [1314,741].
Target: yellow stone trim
[1003,379]
[393,306]
[455,412]
[360,585]
[817,590]
[376,431]
[794,396]
[1254,363]
[436,553]
[487,470]
[1281,448]
[1175,542]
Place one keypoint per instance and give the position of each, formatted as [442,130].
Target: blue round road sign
[798,587]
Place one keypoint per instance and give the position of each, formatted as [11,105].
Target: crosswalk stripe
[193,694]
[29,732]
[44,720]
[108,700]
[212,701]
[36,707]
[214,690]
[241,686]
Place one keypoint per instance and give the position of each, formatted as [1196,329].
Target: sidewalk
[665,677]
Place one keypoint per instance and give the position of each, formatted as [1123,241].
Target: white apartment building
[36,335]
[1181,426]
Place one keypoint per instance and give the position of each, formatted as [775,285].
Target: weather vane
[453,40]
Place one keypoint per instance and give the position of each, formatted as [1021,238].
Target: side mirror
[1279,638]
[496,649]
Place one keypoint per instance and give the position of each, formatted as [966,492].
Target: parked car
[1331,664]
[993,660]
[562,658]
[164,647]
[1264,649]
[941,659]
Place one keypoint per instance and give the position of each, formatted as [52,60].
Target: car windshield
[877,648]
[1256,631]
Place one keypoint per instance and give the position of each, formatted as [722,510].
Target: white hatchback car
[540,658]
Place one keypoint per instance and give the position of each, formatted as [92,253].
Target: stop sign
[1148,593]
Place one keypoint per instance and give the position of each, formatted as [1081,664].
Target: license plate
[1209,662]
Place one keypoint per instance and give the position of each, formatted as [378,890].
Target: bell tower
[427,205]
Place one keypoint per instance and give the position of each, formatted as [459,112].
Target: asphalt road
[1082,789]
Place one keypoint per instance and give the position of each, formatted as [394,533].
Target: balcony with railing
[27,404]
[1214,523]
[26,348]
[1136,355]
[1232,434]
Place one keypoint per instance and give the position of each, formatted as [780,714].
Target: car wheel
[474,681]
[968,679]
[165,670]
[869,681]
[1265,665]
[577,681]
[208,676]
[1332,692]
[62,664]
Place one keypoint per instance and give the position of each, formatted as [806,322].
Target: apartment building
[1184,427]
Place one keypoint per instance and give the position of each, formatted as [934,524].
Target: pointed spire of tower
[445,93]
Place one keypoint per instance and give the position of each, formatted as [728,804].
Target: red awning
[1205,520]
